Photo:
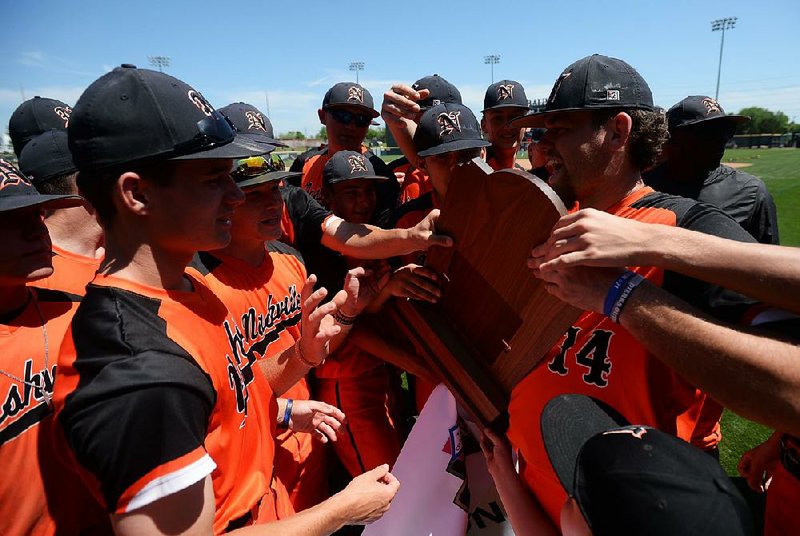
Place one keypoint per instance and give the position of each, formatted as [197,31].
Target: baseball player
[416,182]
[347,112]
[37,495]
[36,116]
[691,167]
[77,237]
[602,130]
[171,426]
[504,101]
[255,276]
[351,378]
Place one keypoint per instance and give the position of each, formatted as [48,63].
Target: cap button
[128,66]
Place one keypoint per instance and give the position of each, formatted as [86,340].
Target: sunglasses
[345,117]
[257,165]
[214,131]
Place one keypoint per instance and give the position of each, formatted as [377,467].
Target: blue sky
[246,50]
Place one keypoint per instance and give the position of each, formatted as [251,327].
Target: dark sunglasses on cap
[257,165]
[346,117]
[214,131]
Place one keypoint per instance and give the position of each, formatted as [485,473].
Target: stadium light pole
[159,61]
[728,23]
[492,59]
[356,66]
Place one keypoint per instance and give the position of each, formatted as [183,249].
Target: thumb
[439,240]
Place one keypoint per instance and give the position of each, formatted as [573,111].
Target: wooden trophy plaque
[495,321]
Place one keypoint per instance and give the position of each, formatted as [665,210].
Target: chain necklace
[48,397]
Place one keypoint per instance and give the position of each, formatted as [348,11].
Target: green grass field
[780,171]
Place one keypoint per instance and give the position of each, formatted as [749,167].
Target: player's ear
[321,115]
[483,124]
[132,193]
[421,163]
[619,128]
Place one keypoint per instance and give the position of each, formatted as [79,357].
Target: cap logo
[711,106]
[637,432]
[64,112]
[355,94]
[612,94]
[448,122]
[357,163]
[505,91]
[255,121]
[200,101]
[9,176]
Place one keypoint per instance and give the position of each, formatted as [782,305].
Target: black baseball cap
[447,127]
[349,94]
[132,115]
[35,116]
[595,82]
[441,91]
[251,123]
[259,169]
[348,165]
[699,109]
[47,157]
[16,191]
[505,94]
[630,479]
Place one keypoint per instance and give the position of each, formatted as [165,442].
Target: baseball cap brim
[240,147]
[14,202]
[262,139]
[345,179]
[536,119]
[371,111]
[734,119]
[567,422]
[455,145]
[270,176]
[507,105]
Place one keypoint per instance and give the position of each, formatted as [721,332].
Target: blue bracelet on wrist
[614,292]
[622,299]
[287,414]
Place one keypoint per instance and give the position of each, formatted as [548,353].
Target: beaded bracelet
[287,414]
[616,310]
[298,350]
[344,319]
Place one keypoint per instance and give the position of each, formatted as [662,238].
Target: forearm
[765,272]
[363,241]
[755,376]
[284,370]
[524,511]
[403,134]
[322,519]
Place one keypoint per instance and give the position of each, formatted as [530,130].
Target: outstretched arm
[754,374]
[399,110]
[191,511]
[363,241]
[589,237]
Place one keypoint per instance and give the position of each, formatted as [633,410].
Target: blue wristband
[287,414]
[616,310]
[614,291]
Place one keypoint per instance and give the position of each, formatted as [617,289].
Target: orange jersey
[268,296]
[71,272]
[599,358]
[157,390]
[38,495]
[416,182]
